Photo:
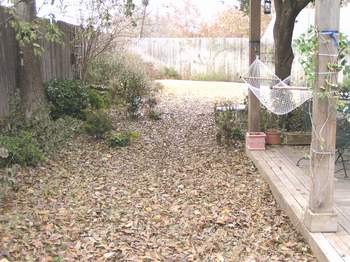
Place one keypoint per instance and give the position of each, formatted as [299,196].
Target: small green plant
[67,98]
[230,125]
[154,115]
[122,139]
[8,181]
[97,123]
[118,140]
[9,177]
[346,83]
[19,149]
[225,125]
[237,134]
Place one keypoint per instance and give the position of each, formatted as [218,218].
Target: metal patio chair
[342,140]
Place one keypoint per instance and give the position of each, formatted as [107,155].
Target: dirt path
[173,195]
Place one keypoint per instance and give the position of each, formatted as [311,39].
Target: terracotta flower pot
[255,140]
[273,137]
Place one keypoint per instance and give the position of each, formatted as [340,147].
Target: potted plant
[270,123]
[273,137]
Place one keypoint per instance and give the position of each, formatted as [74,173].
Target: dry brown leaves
[173,195]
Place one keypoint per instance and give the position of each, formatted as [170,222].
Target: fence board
[225,58]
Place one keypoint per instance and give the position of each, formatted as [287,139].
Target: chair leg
[339,155]
[301,159]
[343,163]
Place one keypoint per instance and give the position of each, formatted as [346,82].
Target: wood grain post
[320,215]
[254,51]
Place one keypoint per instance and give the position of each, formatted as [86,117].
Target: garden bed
[297,138]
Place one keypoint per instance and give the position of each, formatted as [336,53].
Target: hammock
[276,95]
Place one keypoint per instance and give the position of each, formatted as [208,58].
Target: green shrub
[154,115]
[97,123]
[132,85]
[126,77]
[170,73]
[230,125]
[268,120]
[51,135]
[295,121]
[19,149]
[122,139]
[306,46]
[345,86]
[104,68]
[237,134]
[213,76]
[99,99]
[67,98]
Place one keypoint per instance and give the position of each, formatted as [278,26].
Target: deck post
[320,215]
[254,51]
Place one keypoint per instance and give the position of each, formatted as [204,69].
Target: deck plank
[293,171]
[291,193]
[280,166]
[292,185]
[338,242]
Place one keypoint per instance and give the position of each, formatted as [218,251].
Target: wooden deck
[290,185]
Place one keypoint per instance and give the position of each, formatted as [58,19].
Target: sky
[207,8]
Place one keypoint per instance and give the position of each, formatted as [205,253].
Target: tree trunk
[143,20]
[29,74]
[8,65]
[286,13]
[283,33]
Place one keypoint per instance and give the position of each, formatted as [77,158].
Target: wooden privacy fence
[57,59]
[196,58]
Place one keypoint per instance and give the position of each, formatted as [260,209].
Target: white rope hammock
[276,95]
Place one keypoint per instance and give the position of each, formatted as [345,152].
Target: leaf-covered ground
[173,195]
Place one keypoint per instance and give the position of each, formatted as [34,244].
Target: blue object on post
[332,34]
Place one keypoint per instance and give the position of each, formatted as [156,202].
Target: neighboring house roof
[305,19]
